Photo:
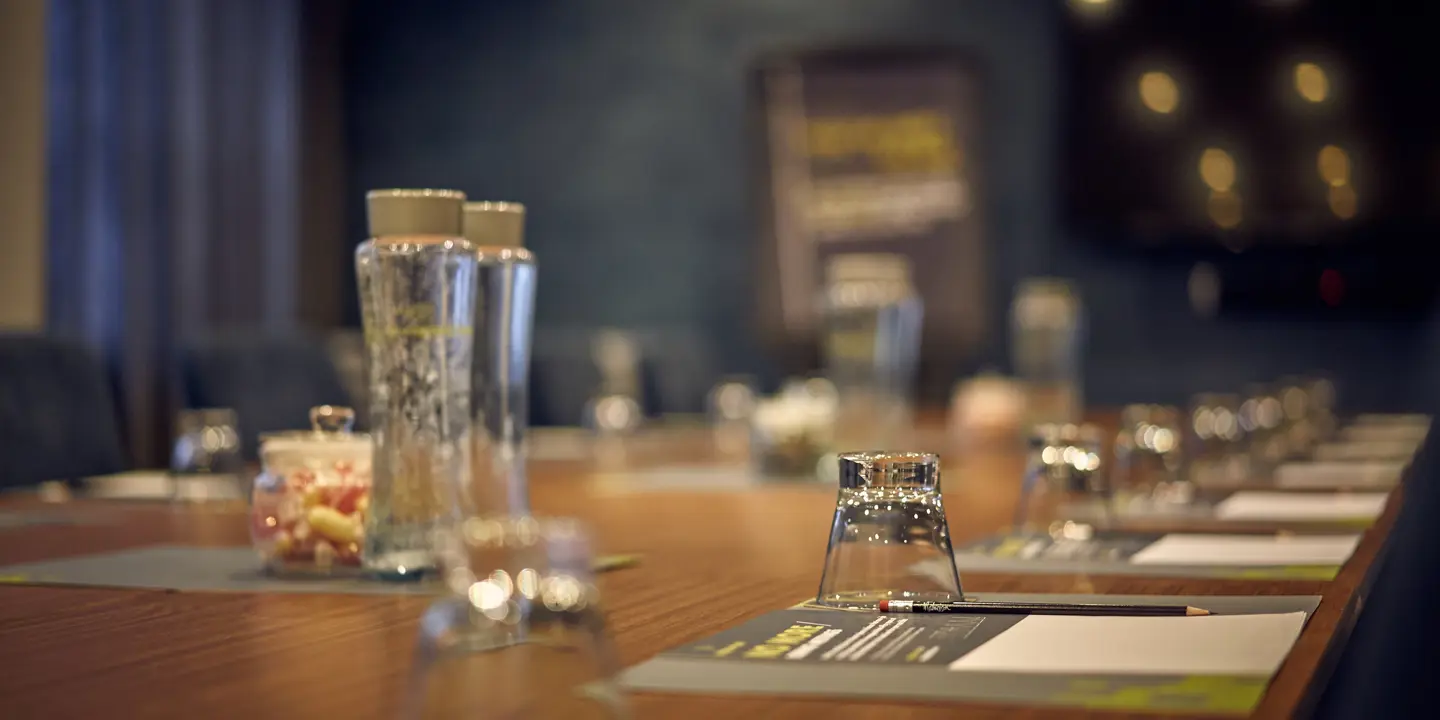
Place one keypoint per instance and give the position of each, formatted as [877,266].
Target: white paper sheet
[135,485]
[1384,433]
[1248,550]
[160,485]
[1251,645]
[1319,475]
[680,478]
[1255,505]
[1373,450]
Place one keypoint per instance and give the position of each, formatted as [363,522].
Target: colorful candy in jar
[310,502]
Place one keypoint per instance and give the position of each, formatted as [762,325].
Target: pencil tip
[1194,611]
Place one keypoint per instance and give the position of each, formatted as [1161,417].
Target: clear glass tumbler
[617,408]
[1150,460]
[889,540]
[1047,335]
[1218,454]
[205,463]
[1063,478]
[1262,417]
[521,633]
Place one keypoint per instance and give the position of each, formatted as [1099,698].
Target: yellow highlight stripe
[732,647]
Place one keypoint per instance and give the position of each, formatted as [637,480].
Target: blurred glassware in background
[1149,461]
[1297,417]
[1218,455]
[871,317]
[730,406]
[308,508]
[1322,406]
[1047,337]
[520,634]
[792,432]
[346,349]
[889,534]
[1262,418]
[505,319]
[206,463]
[987,407]
[1063,475]
[417,285]
[616,408]
[732,400]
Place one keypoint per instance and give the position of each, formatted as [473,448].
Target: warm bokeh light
[1333,163]
[1159,92]
[1311,82]
[1226,209]
[1204,291]
[1217,169]
[1092,8]
[1343,201]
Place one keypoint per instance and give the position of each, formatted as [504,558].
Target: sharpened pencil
[1006,608]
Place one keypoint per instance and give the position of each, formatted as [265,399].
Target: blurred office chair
[347,353]
[271,381]
[563,376]
[676,370]
[1393,651]
[57,412]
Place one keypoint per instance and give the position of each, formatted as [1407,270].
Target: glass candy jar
[311,496]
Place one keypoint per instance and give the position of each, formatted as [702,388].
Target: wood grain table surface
[711,559]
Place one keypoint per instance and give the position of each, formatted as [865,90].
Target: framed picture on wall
[870,150]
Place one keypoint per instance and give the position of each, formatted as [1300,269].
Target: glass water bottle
[417,286]
[505,318]
[871,323]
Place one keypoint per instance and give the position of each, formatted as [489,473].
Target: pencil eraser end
[883,605]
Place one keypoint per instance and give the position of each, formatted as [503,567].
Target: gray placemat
[14,519]
[1110,556]
[687,669]
[187,569]
[182,568]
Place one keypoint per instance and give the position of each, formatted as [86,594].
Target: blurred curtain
[177,193]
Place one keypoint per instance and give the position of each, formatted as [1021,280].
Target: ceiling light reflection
[1159,92]
[1311,82]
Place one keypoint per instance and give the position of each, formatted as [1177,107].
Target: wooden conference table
[711,559]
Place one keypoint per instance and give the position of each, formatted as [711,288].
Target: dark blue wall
[620,123]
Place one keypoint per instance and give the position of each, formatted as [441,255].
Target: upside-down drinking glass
[1149,460]
[520,633]
[889,539]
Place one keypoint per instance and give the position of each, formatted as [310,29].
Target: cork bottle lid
[495,224]
[414,212]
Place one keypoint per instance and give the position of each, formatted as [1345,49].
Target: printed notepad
[1213,645]
[1248,550]
[1255,505]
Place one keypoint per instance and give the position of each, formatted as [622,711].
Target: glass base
[402,566]
[303,570]
[867,599]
